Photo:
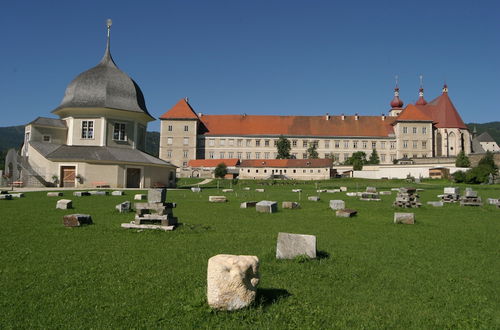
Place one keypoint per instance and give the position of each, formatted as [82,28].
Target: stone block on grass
[247,205]
[196,189]
[404,218]
[345,213]
[246,188]
[139,197]
[6,196]
[435,204]
[290,205]
[157,195]
[259,190]
[313,198]
[81,193]
[385,193]
[123,207]
[351,194]
[343,188]
[371,189]
[451,190]
[77,220]
[217,199]
[266,207]
[232,281]
[296,190]
[17,195]
[64,204]
[290,246]
[227,190]
[98,193]
[117,193]
[337,204]
[54,194]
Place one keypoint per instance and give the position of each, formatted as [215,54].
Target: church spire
[107,53]
[421,100]
[396,101]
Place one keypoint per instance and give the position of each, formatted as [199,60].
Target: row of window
[327,144]
[284,171]
[119,131]
[414,130]
[170,128]
[185,141]
[267,155]
[415,144]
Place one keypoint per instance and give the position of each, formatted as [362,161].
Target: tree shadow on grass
[267,297]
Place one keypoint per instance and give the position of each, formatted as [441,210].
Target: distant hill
[493,128]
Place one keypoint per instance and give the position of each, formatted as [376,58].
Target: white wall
[400,171]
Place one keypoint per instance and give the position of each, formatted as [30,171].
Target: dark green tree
[358,155]
[374,158]
[283,145]
[220,171]
[488,162]
[311,151]
[462,160]
[357,164]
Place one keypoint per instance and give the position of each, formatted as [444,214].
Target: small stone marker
[232,281]
[217,199]
[296,190]
[394,189]
[117,193]
[247,205]
[290,205]
[345,213]
[81,193]
[259,190]
[6,196]
[371,189]
[76,220]
[123,207]
[351,194]
[54,194]
[337,204]
[331,191]
[314,198]
[157,195]
[227,190]
[493,201]
[451,190]
[196,189]
[64,204]
[139,197]
[404,218]
[98,193]
[385,192]
[18,195]
[436,204]
[290,246]
[471,198]
[246,188]
[266,207]
[321,191]
[470,193]
[343,188]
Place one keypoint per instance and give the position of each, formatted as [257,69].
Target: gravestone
[227,190]
[313,198]
[259,190]
[290,246]
[77,220]
[117,193]
[296,190]
[471,198]
[371,190]
[337,204]
[157,195]
[247,205]
[81,193]
[17,195]
[385,193]
[6,196]
[321,191]
[232,281]
[407,198]
[351,194]
[54,194]
[123,207]
[64,204]
[139,197]
[266,207]
[436,204]
[217,199]
[345,213]
[246,188]
[290,205]
[493,201]
[404,218]
[98,193]
[343,188]
[196,189]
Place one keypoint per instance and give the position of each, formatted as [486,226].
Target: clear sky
[283,57]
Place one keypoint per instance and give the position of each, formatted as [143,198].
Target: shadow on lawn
[267,297]
[322,255]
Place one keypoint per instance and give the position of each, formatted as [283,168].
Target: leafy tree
[220,171]
[283,145]
[311,151]
[462,160]
[357,164]
[357,160]
[374,158]
[459,176]
[481,173]
[488,162]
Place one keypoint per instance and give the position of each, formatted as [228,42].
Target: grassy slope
[440,273]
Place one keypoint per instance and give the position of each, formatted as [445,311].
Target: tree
[220,171]
[311,151]
[283,145]
[357,164]
[374,158]
[488,162]
[360,155]
[462,160]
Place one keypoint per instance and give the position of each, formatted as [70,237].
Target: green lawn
[443,272]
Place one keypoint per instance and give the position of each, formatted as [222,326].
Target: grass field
[443,272]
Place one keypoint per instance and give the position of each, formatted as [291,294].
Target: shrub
[459,176]
[462,160]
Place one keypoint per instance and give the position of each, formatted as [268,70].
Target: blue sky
[255,57]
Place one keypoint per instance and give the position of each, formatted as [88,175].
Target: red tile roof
[182,110]
[297,125]
[443,112]
[414,113]
[312,163]
[213,162]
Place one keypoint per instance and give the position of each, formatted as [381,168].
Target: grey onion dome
[104,86]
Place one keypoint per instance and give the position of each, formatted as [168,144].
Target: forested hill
[493,128]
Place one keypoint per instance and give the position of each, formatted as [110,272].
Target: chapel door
[133,177]
[68,176]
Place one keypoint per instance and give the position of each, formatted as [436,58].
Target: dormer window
[119,132]
[46,138]
[87,129]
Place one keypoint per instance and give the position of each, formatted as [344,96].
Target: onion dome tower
[103,86]
[396,103]
[421,100]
